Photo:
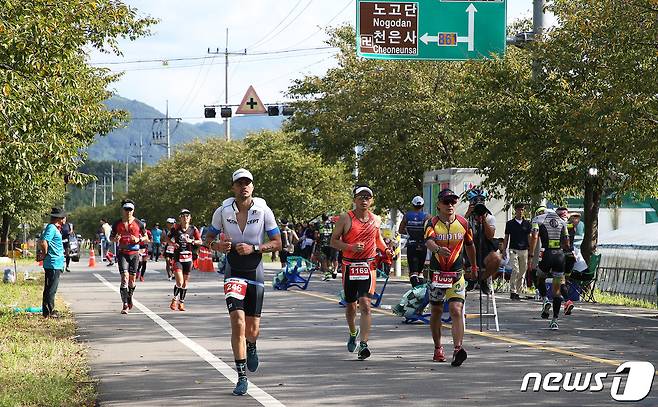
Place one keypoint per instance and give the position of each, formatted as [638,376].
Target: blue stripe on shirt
[273,232]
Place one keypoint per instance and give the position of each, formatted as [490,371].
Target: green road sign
[430,29]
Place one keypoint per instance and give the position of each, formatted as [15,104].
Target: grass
[41,364]
[616,299]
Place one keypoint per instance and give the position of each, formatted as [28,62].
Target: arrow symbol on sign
[429,38]
[471,10]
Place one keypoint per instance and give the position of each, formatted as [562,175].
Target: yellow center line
[498,337]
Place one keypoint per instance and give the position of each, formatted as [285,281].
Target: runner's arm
[402,229]
[337,234]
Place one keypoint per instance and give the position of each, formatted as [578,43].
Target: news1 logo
[637,376]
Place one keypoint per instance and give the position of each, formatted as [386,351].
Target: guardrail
[629,270]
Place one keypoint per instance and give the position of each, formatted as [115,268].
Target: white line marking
[254,391]
[597,311]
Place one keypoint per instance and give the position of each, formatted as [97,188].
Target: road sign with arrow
[431,29]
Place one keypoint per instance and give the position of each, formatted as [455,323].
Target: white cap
[363,189]
[418,201]
[128,205]
[242,173]
[171,220]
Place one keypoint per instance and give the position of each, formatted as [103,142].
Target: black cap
[57,212]
[447,193]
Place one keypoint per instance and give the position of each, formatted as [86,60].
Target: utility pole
[538,30]
[93,202]
[227,120]
[104,190]
[140,155]
[112,182]
[164,140]
[126,173]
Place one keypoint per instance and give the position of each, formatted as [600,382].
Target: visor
[363,189]
[128,205]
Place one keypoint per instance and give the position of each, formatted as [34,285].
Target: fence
[629,270]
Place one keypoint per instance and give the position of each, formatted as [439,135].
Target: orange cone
[92,258]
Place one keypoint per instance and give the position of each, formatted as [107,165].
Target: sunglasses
[127,209]
[363,197]
[449,201]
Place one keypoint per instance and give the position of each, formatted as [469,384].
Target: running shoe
[553,325]
[326,276]
[124,310]
[568,307]
[363,352]
[334,275]
[545,309]
[141,278]
[241,387]
[351,342]
[439,355]
[252,357]
[181,306]
[458,357]
[173,304]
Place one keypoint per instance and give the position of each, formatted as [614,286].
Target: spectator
[106,230]
[288,240]
[67,232]
[52,254]
[156,232]
[517,237]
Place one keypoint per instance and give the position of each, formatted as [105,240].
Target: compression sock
[564,291]
[557,301]
[542,289]
[176,291]
[183,292]
[124,294]
[131,290]
[241,367]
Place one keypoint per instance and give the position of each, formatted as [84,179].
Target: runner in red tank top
[358,236]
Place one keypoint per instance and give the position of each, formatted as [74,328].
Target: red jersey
[364,232]
[126,232]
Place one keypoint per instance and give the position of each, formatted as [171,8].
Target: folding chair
[584,282]
[298,273]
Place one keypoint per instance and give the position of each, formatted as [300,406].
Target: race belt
[444,279]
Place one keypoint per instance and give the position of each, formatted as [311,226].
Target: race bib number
[235,288]
[359,271]
[185,257]
[443,280]
[170,249]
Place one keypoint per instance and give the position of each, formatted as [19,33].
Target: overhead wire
[287,25]
[349,2]
[277,26]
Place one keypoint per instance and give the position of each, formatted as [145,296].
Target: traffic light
[226,112]
[209,113]
[288,110]
[272,110]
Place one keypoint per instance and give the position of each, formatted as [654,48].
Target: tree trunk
[593,192]
[4,235]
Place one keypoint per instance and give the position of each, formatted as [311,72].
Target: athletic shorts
[416,256]
[127,263]
[249,298]
[552,265]
[359,281]
[185,267]
[455,293]
[328,253]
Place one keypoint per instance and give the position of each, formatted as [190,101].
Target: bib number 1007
[359,271]
[235,288]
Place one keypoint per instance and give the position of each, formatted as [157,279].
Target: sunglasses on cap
[449,201]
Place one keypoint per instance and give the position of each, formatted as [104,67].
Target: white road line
[599,311]
[254,391]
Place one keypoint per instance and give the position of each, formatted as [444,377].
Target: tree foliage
[392,110]
[296,185]
[51,100]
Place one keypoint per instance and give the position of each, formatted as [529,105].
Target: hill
[124,142]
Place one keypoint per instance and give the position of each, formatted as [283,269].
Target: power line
[349,2]
[167,60]
[277,26]
[287,25]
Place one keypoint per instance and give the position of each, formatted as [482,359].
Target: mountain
[125,141]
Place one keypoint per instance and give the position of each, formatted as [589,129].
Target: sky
[187,29]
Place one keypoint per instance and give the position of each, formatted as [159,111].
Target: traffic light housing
[288,110]
[272,110]
[209,113]
[226,112]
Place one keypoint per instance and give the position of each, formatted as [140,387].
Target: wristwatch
[256,248]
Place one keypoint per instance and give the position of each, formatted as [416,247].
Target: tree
[51,100]
[296,185]
[393,111]
[592,105]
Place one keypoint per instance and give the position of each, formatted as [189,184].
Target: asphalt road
[157,357]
